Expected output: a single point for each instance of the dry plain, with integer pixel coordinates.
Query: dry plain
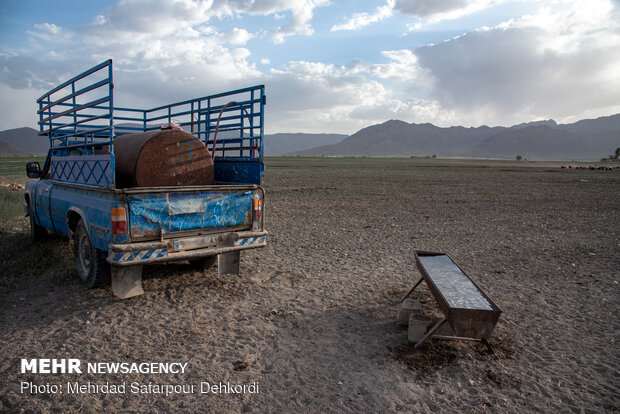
(312, 317)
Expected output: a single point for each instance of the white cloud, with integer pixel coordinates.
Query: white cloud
(432, 11)
(402, 74)
(403, 65)
(100, 20)
(301, 14)
(12, 110)
(49, 32)
(26, 73)
(573, 25)
(359, 20)
(164, 17)
(55, 55)
(49, 28)
(319, 97)
(559, 62)
(237, 37)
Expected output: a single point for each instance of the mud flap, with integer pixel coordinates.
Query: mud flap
(228, 263)
(127, 281)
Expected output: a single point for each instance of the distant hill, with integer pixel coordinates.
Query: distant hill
(26, 140)
(280, 144)
(547, 122)
(394, 138)
(540, 141)
(604, 131)
(585, 140)
(9, 150)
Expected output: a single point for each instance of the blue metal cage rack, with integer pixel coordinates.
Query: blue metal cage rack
(81, 121)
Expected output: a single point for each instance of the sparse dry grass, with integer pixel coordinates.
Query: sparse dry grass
(14, 168)
(11, 210)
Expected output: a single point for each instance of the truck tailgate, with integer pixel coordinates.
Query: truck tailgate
(154, 215)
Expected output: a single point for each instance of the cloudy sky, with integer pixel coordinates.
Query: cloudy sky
(328, 65)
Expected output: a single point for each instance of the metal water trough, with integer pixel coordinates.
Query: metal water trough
(469, 311)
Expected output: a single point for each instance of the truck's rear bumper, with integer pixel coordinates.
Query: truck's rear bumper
(184, 248)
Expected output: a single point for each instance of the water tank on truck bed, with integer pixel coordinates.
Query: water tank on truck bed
(168, 157)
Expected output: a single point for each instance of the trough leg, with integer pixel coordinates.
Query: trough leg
(411, 291)
(126, 281)
(228, 263)
(430, 332)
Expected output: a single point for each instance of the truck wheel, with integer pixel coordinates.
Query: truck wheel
(37, 232)
(203, 263)
(91, 263)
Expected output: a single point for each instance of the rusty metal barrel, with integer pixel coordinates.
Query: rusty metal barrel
(161, 158)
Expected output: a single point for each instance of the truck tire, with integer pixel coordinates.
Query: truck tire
(203, 263)
(92, 267)
(37, 232)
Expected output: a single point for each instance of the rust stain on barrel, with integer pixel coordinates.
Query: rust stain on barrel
(169, 157)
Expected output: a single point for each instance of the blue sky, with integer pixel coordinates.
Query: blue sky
(328, 65)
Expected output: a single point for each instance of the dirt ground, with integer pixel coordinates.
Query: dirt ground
(312, 317)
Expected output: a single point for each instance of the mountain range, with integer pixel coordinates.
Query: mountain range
(589, 139)
(281, 144)
(26, 141)
(10, 150)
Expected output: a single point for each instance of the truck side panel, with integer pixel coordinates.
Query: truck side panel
(93, 207)
(40, 199)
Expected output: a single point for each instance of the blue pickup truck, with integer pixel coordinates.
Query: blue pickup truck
(116, 226)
